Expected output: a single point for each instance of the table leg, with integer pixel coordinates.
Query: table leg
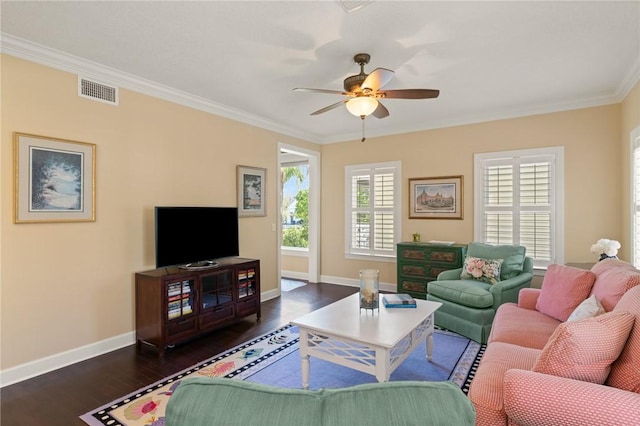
(383, 365)
(304, 358)
(305, 371)
(429, 346)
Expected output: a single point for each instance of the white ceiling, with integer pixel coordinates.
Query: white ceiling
(240, 59)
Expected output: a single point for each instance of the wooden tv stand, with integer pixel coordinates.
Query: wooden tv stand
(175, 304)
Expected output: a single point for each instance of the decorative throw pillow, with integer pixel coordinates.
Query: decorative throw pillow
(513, 257)
(487, 270)
(585, 349)
(613, 279)
(588, 309)
(563, 289)
(625, 372)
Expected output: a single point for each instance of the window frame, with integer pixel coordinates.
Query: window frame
(372, 253)
(557, 189)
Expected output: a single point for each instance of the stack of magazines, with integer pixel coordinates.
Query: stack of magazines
(398, 301)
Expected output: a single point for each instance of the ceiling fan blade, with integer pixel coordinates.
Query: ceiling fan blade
(330, 107)
(331, 92)
(381, 111)
(378, 78)
(410, 94)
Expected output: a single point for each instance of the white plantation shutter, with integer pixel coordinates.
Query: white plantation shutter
(519, 197)
(537, 208)
(498, 203)
(372, 225)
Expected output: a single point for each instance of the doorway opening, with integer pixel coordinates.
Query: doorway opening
(298, 213)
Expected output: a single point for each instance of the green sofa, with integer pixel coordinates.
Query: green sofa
(207, 401)
(469, 305)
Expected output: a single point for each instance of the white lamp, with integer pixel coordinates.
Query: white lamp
(362, 106)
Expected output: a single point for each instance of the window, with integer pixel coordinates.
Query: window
(372, 223)
(519, 200)
(635, 197)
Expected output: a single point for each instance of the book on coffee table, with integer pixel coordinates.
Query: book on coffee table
(398, 301)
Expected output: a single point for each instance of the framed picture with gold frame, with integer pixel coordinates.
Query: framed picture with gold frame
(55, 179)
(436, 197)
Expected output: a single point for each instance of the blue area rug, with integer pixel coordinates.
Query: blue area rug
(450, 351)
(274, 359)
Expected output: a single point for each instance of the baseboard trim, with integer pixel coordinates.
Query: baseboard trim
(45, 365)
(350, 282)
(269, 294)
(304, 276)
(41, 366)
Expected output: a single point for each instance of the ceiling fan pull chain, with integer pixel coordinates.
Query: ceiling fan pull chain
(363, 138)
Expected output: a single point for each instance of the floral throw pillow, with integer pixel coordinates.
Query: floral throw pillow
(476, 268)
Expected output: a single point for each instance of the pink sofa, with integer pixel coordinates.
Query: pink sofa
(511, 387)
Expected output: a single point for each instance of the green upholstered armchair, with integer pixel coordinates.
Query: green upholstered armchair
(469, 305)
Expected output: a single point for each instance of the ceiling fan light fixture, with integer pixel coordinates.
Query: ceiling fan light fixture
(362, 106)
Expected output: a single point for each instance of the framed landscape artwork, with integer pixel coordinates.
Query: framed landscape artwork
(436, 197)
(251, 191)
(54, 179)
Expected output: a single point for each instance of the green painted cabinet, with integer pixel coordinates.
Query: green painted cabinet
(419, 263)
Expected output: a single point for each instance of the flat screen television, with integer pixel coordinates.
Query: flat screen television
(195, 236)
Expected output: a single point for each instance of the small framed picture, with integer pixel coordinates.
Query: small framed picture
(436, 197)
(55, 179)
(251, 191)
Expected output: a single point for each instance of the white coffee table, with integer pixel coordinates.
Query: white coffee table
(372, 342)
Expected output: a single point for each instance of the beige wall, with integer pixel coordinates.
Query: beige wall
(64, 286)
(298, 264)
(592, 157)
(69, 285)
(630, 122)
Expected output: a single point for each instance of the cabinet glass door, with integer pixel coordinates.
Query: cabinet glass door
(180, 298)
(216, 289)
(246, 282)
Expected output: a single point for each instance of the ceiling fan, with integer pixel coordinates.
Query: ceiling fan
(363, 92)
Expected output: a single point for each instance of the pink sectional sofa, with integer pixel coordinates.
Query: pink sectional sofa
(542, 366)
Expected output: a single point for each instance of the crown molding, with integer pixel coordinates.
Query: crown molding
(488, 116)
(25, 49)
(629, 81)
(21, 48)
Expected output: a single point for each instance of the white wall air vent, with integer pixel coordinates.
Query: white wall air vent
(100, 92)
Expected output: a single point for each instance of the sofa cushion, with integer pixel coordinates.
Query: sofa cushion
(613, 278)
(589, 308)
(397, 403)
(563, 289)
(522, 327)
(486, 388)
(585, 349)
(625, 372)
(206, 401)
(476, 268)
(513, 256)
(472, 293)
(535, 399)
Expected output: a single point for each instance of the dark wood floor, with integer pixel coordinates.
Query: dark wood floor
(59, 397)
